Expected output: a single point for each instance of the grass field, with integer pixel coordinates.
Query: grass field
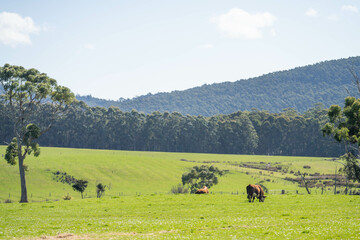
(131, 173)
(185, 216)
(138, 204)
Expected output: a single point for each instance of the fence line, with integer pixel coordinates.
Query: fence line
(314, 191)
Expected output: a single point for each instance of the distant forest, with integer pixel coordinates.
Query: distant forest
(242, 132)
(300, 88)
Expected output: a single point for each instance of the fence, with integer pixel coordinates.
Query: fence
(53, 197)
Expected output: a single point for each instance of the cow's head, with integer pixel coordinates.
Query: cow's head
(262, 198)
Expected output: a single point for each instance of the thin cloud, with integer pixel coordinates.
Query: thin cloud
(208, 45)
(238, 23)
(15, 29)
(311, 12)
(89, 46)
(273, 32)
(333, 17)
(350, 8)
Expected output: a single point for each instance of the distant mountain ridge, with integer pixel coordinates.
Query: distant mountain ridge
(300, 88)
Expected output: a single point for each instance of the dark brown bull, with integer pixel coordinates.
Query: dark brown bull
(202, 190)
(255, 191)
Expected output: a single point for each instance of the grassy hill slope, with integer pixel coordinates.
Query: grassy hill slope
(130, 173)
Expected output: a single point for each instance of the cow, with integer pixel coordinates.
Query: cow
(255, 191)
(203, 190)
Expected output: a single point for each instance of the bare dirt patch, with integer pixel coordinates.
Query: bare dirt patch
(113, 235)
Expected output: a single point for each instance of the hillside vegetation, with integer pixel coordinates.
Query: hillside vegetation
(300, 88)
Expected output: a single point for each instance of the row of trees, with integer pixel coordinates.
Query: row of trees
(254, 132)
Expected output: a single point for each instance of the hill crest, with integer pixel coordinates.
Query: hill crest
(299, 88)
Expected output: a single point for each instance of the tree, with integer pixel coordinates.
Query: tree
(305, 182)
(200, 176)
(100, 189)
(237, 135)
(344, 125)
(351, 167)
(80, 186)
(26, 92)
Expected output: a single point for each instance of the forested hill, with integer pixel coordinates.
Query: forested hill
(301, 88)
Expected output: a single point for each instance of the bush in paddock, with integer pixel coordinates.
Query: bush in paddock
(80, 186)
(100, 190)
(67, 197)
(201, 176)
(179, 189)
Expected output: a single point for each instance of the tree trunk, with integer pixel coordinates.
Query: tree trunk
(347, 185)
(305, 183)
(22, 180)
(335, 181)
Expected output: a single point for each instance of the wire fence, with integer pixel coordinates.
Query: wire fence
(112, 194)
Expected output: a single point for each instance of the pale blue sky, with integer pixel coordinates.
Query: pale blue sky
(114, 49)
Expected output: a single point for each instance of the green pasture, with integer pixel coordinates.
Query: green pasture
(142, 173)
(138, 203)
(163, 216)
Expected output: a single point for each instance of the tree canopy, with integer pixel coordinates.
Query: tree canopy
(80, 186)
(344, 125)
(200, 176)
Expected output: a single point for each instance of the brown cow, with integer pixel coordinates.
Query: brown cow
(255, 191)
(202, 190)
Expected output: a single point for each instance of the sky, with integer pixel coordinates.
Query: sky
(123, 49)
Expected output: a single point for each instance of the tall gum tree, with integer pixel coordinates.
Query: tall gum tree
(25, 93)
(344, 125)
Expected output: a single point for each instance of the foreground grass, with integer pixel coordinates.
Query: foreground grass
(185, 216)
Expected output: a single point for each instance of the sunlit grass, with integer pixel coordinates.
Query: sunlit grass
(187, 216)
(138, 203)
(131, 173)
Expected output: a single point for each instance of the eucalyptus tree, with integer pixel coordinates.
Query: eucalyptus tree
(5, 124)
(26, 92)
(134, 122)
(171, 131)
(344, 125)
(186, 138)
(153, 131)
(237, 135)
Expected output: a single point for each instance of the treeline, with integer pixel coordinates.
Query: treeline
(249, 132)
(301, 88)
